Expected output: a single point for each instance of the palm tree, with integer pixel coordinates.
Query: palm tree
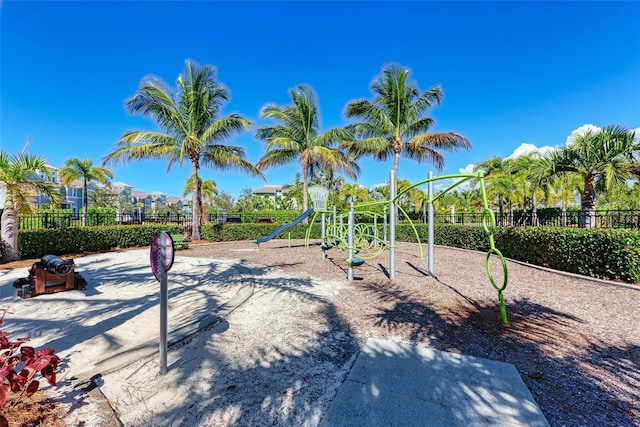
(395, 122)
(355, 190)
(499, 182)
(297, 137)
(83, 169)
(602, 157)
(420, 200)
(207, 190)
(20, 181)
(191, 127)
(528, 186)
(293, 192)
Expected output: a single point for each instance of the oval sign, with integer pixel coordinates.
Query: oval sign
(161, 249)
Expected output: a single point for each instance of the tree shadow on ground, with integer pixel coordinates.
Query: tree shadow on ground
(300, 370)
(535, 331)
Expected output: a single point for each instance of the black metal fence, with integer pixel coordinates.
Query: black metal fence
(602, 219)
(62, 219)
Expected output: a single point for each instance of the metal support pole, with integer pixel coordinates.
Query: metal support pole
(350, 241)
(384, 228)
(392, 225)
(431, 226)
(164, 300)
(324, 254)
(375, 231)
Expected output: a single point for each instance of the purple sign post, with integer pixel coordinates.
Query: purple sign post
(161, 257)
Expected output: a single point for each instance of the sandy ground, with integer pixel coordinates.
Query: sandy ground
(280, 357)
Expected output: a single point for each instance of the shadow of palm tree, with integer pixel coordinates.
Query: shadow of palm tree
(534, 331)
(293, 369)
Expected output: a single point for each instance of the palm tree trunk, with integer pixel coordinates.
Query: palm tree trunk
(85, 203)
(510, 215)
(10, 234)
(588, 203)
(305, 195)
(195, 215)
(534, 210)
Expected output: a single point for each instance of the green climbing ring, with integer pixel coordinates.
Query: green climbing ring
(504, 269)
(489, 229)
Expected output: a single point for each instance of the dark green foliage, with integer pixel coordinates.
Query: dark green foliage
(231, 232)
(75, 240)
(101, 216)
(607, 254)
(278, 217)
(603, 253)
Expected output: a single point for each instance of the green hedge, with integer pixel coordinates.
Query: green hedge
(72, 240)
(612, 254)
(606, 254)
(232, 232)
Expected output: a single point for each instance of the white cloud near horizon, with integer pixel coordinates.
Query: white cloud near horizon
(522, 150)
(581, 131)
(526, 148)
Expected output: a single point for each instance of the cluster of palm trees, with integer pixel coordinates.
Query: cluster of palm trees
(596, 162)
(393, 124)
(17, 177)
(192, 129)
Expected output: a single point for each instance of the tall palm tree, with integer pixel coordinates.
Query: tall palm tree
(499, 180)
(297, 137)
(191, 125)
(528, 186)
(83, 169)
(208, 190)
(395, 122)
(601, 157)
(20, 181)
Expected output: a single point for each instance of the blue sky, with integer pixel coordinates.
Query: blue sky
(512, 72)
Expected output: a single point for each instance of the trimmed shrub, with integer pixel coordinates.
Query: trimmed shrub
(73, 240)
(603, 253)
(612, 254)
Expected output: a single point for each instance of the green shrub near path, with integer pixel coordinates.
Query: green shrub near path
(612, 254)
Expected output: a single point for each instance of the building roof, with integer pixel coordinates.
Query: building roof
(270, 189)
(118, 184)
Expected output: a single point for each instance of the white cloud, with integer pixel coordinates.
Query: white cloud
(468, 168)
(581, 131)
(462, 187)
(526, 148)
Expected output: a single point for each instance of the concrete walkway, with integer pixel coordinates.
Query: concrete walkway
(393, 384)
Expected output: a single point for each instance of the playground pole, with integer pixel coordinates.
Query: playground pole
(324, 254)
(384, 228)
(375, 231)
(392, 225)
(350, 241)
(431, 226)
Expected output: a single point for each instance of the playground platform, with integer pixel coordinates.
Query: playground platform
(395, 384)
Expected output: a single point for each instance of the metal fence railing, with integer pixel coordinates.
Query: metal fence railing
(46, 220)
(602, 219)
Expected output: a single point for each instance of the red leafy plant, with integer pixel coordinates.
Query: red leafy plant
(14, 356)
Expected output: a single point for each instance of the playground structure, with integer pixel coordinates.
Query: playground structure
(362, 241)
